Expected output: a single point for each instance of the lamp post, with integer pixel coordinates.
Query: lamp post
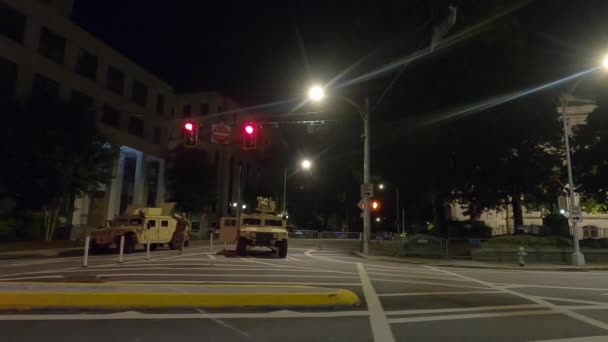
(305, 164)
(317, 94)
(578, 259)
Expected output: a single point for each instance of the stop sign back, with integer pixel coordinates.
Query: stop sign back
(220, 134)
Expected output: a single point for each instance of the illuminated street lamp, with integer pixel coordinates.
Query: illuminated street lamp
(381, 186)
(578, 259)
(306, 164)
(316, 94)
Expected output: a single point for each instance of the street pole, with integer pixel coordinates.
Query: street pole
(397, 213)
(238, 194)
(578, 259)
(366, 179)
(284, 190)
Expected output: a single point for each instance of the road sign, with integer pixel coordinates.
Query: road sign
(220, 134)
(367, 189)
(576, 214)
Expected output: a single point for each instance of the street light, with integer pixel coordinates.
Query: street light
(381, 186)
(305, 164)
(316, 94)
(578, 259)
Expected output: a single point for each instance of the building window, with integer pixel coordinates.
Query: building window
(116, 80)
(156, 136)
(110, 116)
(12, 23)
(139, 94)
(52, 45)
(86, 64)
(160, 104)
(204, 108)
(81, 100)
(44, 87)
(136, 126)
(8, 81)
(187, 111)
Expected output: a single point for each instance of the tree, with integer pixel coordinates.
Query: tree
(191, 179)
(55, 151)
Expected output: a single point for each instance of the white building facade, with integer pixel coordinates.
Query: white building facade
(42, 50)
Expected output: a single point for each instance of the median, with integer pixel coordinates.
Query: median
(28, 296)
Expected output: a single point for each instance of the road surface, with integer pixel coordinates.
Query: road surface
(402, 302)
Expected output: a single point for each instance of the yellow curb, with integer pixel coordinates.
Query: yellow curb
(113, 300)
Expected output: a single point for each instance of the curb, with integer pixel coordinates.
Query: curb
(489, 267)
(247, 296)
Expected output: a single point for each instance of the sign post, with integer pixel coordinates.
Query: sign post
(576, 214)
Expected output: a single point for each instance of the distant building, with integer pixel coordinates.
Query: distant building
(43, 51)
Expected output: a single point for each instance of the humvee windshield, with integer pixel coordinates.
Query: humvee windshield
(273, 223)
(127, 222)
(252, 222)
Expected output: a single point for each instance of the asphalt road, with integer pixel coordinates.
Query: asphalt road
(403, 302)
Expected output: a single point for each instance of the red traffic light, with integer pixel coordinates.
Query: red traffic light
(189, 126)
(249, 129)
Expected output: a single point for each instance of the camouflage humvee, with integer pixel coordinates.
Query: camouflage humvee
(262, 229)
(138, 225)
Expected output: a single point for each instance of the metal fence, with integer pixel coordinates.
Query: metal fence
(304, 234)
(340, 235)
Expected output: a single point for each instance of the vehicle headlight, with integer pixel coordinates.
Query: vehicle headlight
(252, 234)
(275, 236)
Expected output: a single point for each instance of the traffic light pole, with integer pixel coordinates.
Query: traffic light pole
(366, 179)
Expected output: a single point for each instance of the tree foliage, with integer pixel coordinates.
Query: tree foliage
(53, 151)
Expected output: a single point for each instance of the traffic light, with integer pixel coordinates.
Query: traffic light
(374, 205)
(190, 134)
(249, 136)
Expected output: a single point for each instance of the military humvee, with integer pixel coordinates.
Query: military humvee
(138, 225)
(264, 229)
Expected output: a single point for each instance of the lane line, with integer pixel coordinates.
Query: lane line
(428, 283)
(29, 278)
(515, 286)
(475, 308)
(434, 293)
(219, 275)
(424, 277)
(571, 314)
(232, 282)
(134, 315)
(572, 300)
(211, 256)
(469, 316)
(380, 326)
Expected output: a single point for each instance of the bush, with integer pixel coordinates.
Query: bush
(594, 243)
(556, 224)
(529, 240)
(476, 229)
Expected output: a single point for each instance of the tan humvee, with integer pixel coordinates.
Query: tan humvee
(262, 229)
(138, 225)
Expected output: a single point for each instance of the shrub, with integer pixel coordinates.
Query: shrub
(529, 240)
(469, 229)
(556, 224)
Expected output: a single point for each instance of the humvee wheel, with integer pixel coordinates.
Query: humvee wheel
(241, 247)
(129, 244)
(283, 249)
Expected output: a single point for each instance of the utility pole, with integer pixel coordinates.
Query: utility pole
(366, 178)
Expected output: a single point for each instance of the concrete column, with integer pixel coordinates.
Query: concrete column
(115, 188)
(140, 179)
(160, 192)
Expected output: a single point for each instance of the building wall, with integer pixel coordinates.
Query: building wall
(160, 111)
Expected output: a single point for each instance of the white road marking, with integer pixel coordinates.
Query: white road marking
(428, 283)
(515, 286)
(29, 278)
(470, 316)
(133, 315)
(219, 275)
(380, 328)
(580, 339)
(572, 300)
(434, 293)
(211, 256)
(427, 277)
(233, 282)
(476, 308)
(561, 310)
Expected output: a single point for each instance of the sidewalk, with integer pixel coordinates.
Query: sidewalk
(486, 264)
(24, 296)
